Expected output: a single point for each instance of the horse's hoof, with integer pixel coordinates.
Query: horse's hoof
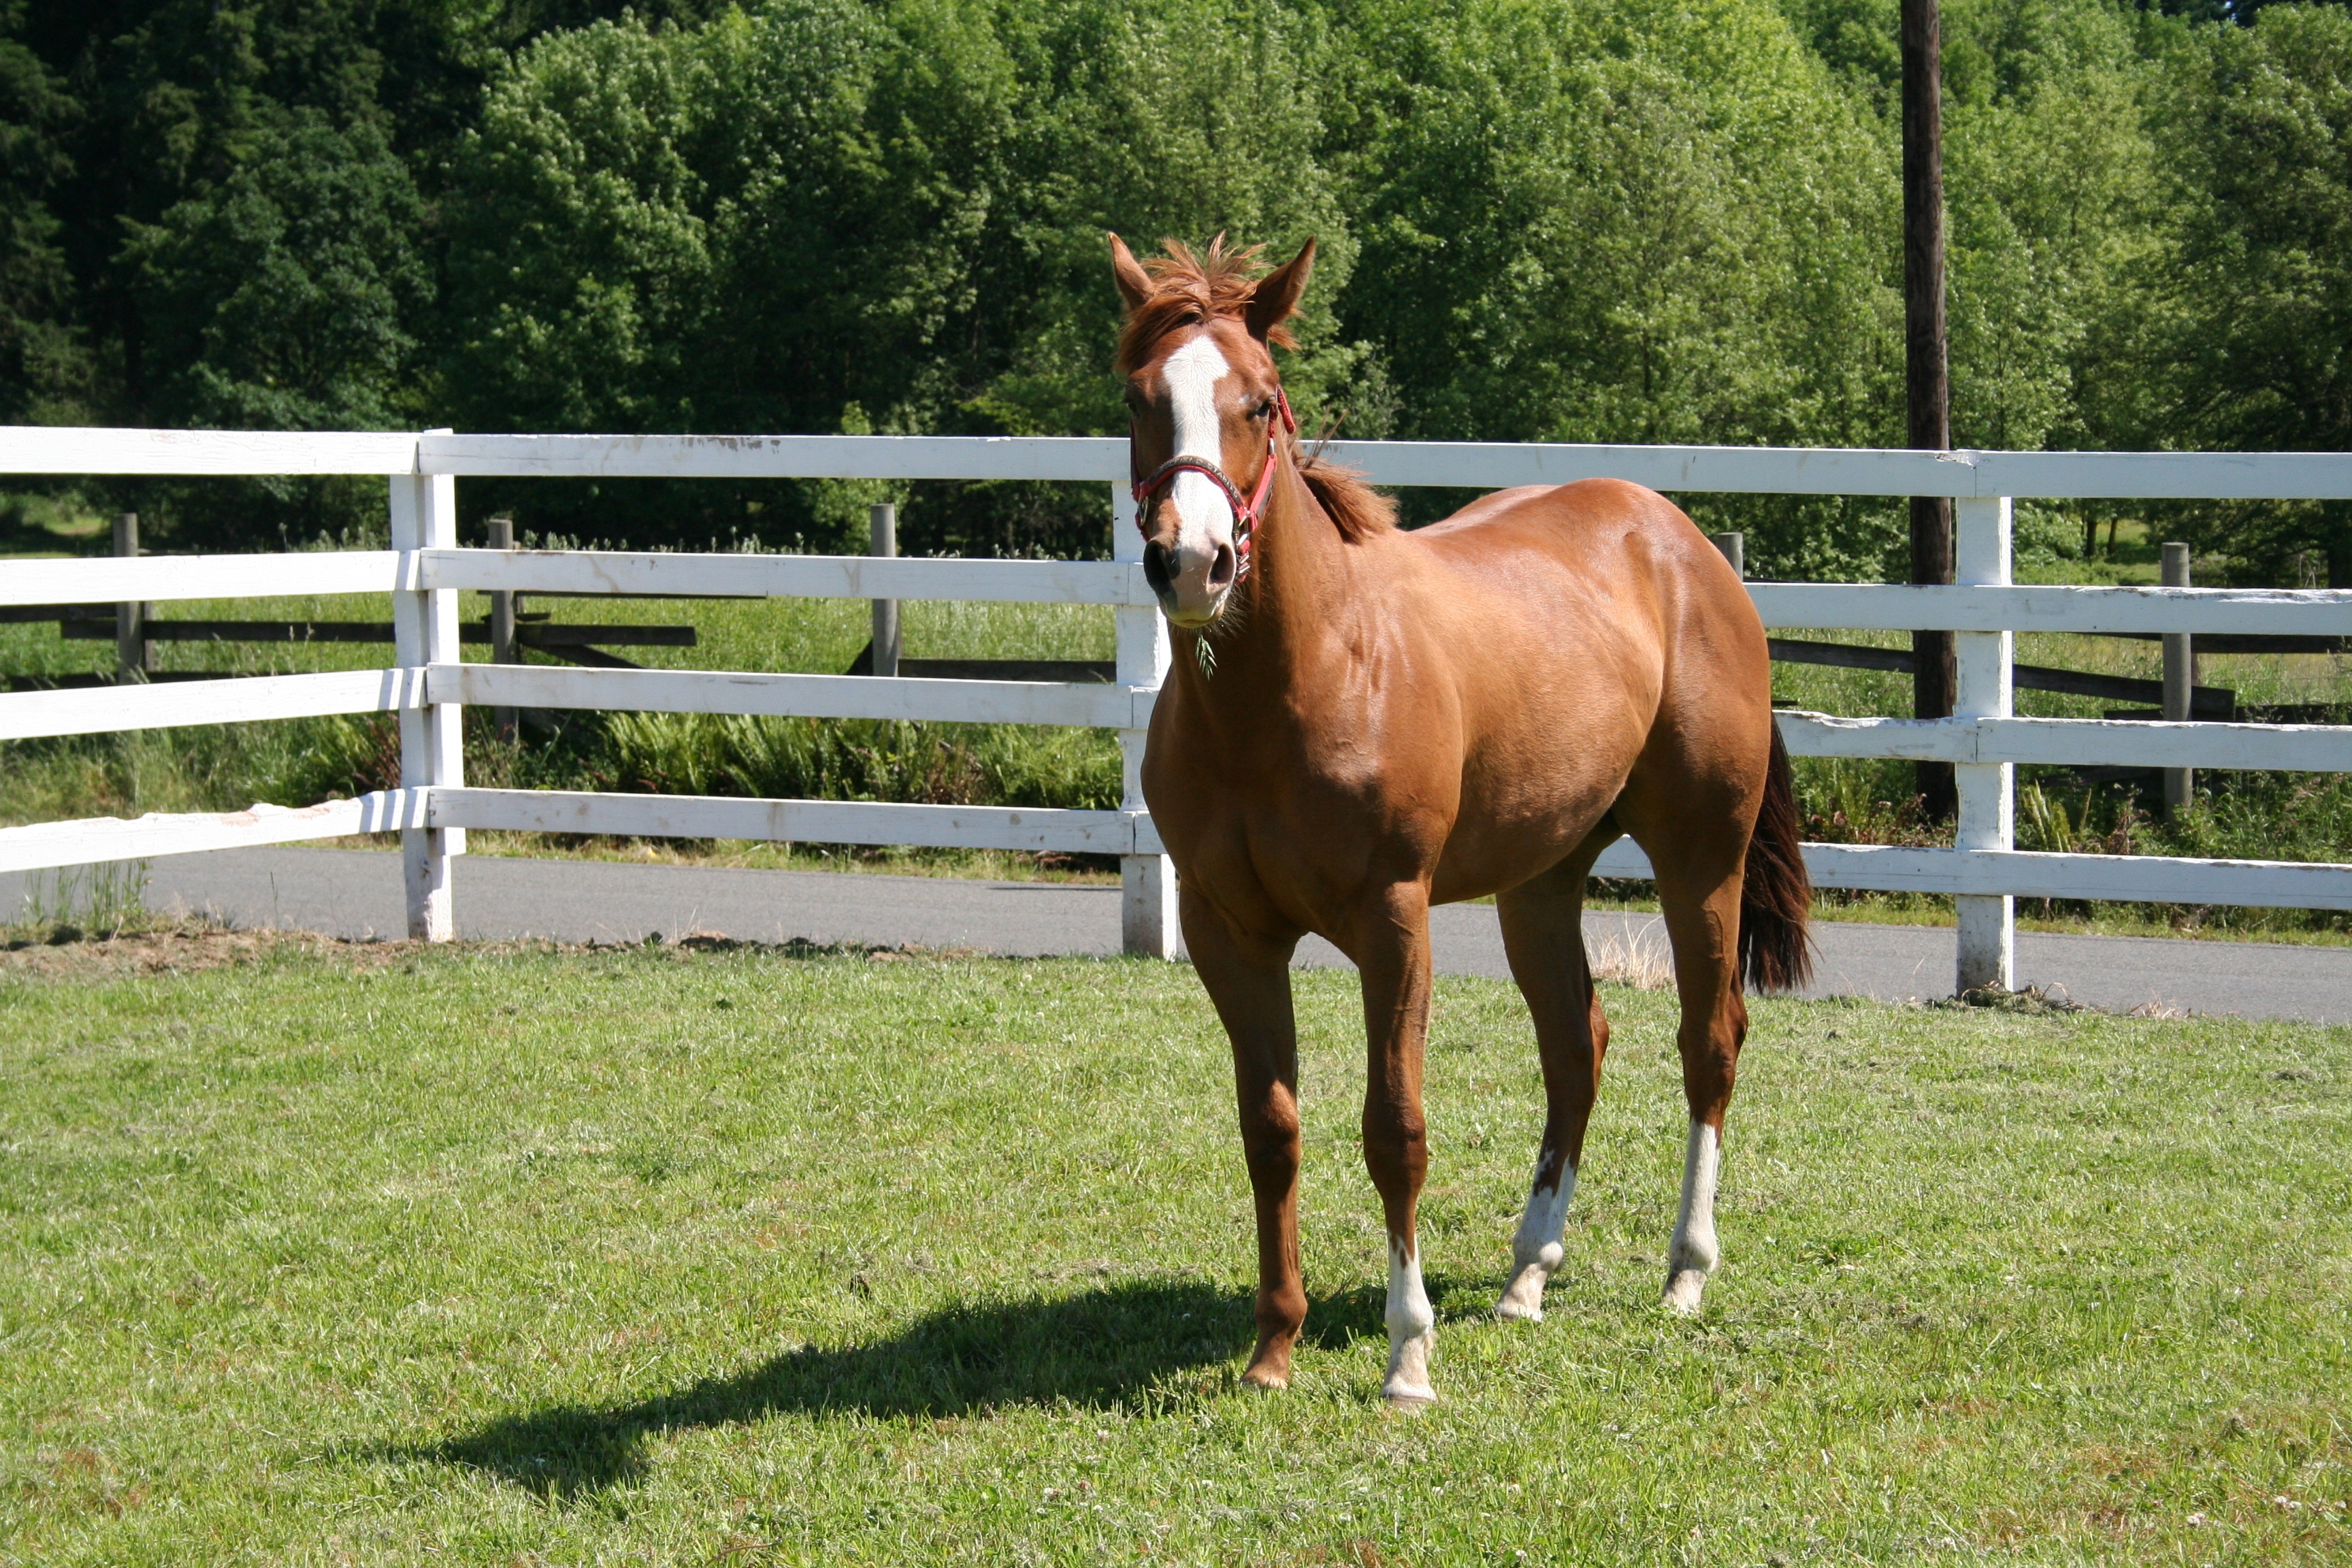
(1522, 1300)
(1684, 1289)
(1266, 1381)
(1406, 1387)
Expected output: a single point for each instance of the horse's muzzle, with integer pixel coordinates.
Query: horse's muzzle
(1193, 585)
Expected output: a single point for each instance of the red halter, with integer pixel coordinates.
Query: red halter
(1247, 511)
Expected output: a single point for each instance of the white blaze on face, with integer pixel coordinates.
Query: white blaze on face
(1695, 1253)
(1205, 518)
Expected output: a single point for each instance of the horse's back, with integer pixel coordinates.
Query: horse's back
(1596, 633)
(1610, 525)
(1599, 576)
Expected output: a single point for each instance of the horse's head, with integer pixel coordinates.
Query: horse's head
(1208, 412)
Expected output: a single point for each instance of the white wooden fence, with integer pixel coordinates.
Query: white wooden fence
(429, 687)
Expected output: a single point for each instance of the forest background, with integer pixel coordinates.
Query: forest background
(1651, 220)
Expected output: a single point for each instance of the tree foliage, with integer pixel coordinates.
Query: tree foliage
(41, 363)
(1540, 219)
(831, 216)
(2252, 292)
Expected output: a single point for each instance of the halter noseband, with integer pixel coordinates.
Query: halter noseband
(1247, 511)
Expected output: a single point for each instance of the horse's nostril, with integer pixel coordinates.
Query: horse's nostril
(1156, 566)
(1220, 568)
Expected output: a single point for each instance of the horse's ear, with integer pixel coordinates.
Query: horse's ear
(1134, 283)
(1278, 292)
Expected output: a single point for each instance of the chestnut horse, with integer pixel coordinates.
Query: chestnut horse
(1364, 721)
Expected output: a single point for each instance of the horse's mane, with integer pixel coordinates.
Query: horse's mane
(1188, 290)
(1354, 507)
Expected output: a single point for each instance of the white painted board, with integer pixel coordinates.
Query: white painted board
(1481, 464)
(2137, 879)
(97, 711)
(104, 579)
(1084, 704)
(1502, 465)
(68, 450)
(1866, 471)
(2130, 878)
(788, 821)
(102, 838)
(799, 577)
(778, 456)
(45, 449)
(1890, 606)
(2118, 743)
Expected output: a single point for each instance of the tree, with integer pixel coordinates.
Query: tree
(283, 298)
(2254, 324)
(220, 213)
(830, 216)
(43, 368)
(1651, 223)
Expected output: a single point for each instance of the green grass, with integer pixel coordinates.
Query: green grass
(506, 1256)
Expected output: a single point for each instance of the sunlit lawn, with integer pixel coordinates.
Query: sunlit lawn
(370, 1255)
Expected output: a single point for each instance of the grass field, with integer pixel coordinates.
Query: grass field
(321, 1255)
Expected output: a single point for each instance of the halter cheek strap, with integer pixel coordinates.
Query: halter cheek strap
(1246, 511)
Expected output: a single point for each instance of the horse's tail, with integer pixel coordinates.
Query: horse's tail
(1774, 952)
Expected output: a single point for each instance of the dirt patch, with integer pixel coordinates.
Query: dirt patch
(183, 950)
(189, 948)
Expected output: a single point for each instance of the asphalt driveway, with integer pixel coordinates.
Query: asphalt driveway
(357, 893)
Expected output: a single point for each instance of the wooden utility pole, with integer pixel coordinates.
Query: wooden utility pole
(1927, 376)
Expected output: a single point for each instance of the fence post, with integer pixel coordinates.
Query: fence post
(502, 626)
(1735, 550)
(1146, 882)
(134, 656)
(424, 632)
(882, 527)
(2179, 676)
(1987, 790)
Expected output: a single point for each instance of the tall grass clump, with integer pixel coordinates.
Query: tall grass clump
(302, 761)
(217, 767)
(864, 760)
(72, 902)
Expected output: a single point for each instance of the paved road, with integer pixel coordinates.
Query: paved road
(356, 893)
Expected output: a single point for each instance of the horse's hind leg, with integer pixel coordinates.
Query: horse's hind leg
(1543, 934)
(1698, 876)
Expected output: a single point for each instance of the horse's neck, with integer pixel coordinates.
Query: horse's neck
(1300, 599)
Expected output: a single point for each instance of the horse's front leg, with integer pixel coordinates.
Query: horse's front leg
(1248, 979)
(1391, 949)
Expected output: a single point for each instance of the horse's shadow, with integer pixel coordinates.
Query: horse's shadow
(1117, 1347)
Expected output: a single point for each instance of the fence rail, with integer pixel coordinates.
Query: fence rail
(1477, 465)
(428, 687)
